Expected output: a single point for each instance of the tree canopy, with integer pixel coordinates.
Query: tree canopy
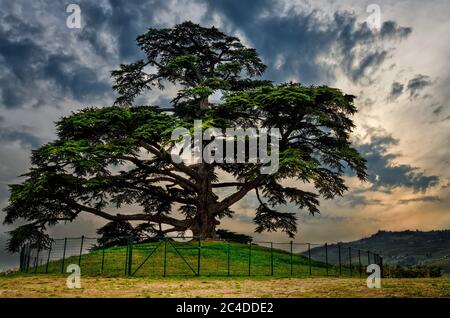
(115, 163)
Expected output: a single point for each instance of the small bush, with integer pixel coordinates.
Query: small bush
(419, 271)
(233, 237)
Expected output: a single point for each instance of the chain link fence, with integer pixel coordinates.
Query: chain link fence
(174, 256)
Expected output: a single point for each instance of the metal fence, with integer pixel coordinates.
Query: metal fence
(173, 256)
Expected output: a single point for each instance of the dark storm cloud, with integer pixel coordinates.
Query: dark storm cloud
(446, 185)
(355, 200)
(19, 58)
(26, 139)
(110, 28)
(383, 173)
(72, 78)
(438, 110)
(390, 28)
(428, 198)
(241, 13)
(122, 21)
(371, 60)
(30, 65)
(302, 37)
(418, 83)
(396, 90)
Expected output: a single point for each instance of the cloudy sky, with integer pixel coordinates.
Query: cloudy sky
(399, 69)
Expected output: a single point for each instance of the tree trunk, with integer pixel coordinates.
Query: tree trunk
(204, 103)
(204, 225)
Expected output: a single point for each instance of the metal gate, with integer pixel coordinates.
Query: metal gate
(165, 257)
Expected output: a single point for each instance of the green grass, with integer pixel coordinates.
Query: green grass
(217, 258)
(444, 264)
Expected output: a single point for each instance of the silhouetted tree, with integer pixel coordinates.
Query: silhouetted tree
(233, 236)
(120, 155)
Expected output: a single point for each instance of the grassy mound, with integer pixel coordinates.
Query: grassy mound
(213, 258)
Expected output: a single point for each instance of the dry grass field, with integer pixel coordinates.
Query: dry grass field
(55, 286)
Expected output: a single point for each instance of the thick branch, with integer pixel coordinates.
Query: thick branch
(166, 157)
(227, 184)
(130, 217)
(182, 182)
(233, 198)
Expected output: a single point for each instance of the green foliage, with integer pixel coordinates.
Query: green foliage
(118, 233)
(187, 54)
(30, 234)
(421, 271)
(233, 237)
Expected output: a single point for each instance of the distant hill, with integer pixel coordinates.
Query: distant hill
(406, 248)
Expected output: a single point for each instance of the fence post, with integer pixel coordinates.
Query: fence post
(130, 255)
(249, 258)
(309, 259)
(350, 260)
(103, 259)
(81, 250)
(165, 256)
(381, 266)
(48, 256)
(359, 262)
(24, 258)
(339, 260)
(126, 258)
(271, 258)
(326, 257)
(228, 258)
(199, 256)
(64, 255)
(291, 257)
